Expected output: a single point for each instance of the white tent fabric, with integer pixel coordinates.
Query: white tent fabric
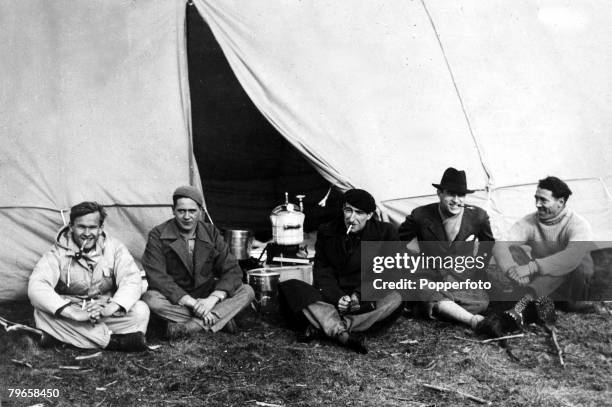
(94, 106)
(386, 95)
(382, 95)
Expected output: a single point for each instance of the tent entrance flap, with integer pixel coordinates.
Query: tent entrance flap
(245, 164)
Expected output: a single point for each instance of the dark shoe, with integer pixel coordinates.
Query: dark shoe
(491, 327)
(231, 327)
(49, 341)
(309, 334)
(515, 320)
(176, 330)
(542, 311)
(132, 342)
(515, 315)
(353, 341)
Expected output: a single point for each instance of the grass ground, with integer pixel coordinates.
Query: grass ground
(264, 364)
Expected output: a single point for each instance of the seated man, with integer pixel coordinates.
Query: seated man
(452, 228)
(333, 305)
(195, 282)
(546, 253)
(86, 289)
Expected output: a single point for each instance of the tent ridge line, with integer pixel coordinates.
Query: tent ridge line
(183, 72)
(605, 187)
(463, 109)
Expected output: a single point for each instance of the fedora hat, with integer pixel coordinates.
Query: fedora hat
(454, 180)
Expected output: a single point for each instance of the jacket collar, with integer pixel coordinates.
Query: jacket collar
(433, 220)
(171, 231)
(64, 242)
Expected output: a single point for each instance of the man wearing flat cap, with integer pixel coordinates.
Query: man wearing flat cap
(195, 282)
(332, 307)
(450, 228)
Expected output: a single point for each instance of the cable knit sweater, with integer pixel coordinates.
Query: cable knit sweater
(558, 245)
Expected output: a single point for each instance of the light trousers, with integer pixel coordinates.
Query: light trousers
(87, 336)
(224, 310)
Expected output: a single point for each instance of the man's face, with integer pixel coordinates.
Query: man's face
(86, 230)
(451, 203)
(354, 217)
(186, 213)
(547, 205)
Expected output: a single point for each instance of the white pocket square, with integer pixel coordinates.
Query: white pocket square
(470, 238)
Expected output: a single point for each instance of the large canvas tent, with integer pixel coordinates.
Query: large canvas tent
(381, 95)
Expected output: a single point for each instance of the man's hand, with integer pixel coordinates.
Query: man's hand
(202, 308)
(355, 306)
(343, 303)
(76, 314)
(520, 274)
(98, 311)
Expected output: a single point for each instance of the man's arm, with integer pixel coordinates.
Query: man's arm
(517, 235)
(154, 263)
(566, 260)
(325, 276)
(225, 267)
(408, 229)
(390, 233)
(486, 240)
(127, 279)
(41, 287)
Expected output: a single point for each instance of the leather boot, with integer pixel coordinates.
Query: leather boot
(132, 342)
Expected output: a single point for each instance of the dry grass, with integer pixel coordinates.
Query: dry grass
(263, 363)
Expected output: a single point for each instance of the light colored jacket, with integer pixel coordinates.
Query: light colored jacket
(62, 277)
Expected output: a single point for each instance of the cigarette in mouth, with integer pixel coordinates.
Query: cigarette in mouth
(83, 245)
(349, 229)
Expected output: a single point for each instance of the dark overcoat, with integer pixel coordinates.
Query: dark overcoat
(337, 264)
(170, 271)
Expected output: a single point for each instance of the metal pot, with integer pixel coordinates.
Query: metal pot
(239, 242)
(265, 285)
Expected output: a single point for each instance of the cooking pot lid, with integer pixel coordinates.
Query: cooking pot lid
(263, 273)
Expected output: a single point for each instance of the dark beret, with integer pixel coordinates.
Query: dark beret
(360, 199)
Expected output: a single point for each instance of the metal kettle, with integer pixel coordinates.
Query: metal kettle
(288, 222)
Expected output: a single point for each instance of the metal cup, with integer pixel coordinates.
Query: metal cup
(239, 242)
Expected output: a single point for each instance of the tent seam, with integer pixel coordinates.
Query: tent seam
(463, 109)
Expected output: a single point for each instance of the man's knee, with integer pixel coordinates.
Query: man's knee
(140, 311)
(395, 299)
(245, 293)
(391, 300)
(585, 269)
(154, 300)
(250, 292)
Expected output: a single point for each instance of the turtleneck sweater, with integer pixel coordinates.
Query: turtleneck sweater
(558, 244)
